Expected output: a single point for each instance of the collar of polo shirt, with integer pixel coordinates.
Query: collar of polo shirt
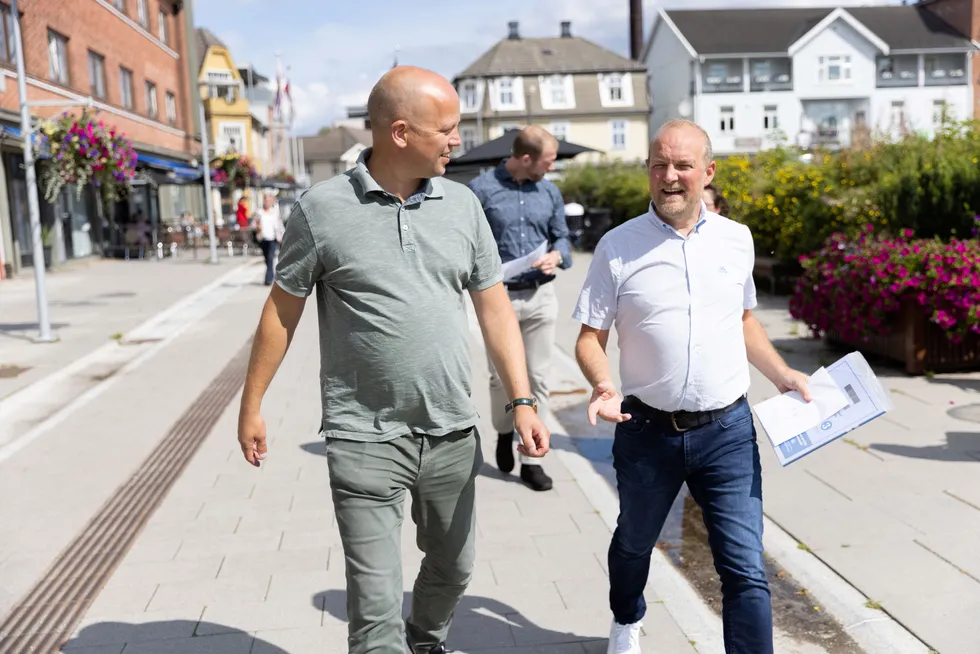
(430, 188)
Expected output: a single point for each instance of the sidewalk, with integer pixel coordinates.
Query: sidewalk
(243, 560)
(893, 508)
(89, 302)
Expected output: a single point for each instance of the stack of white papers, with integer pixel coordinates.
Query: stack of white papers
(845, 396)
(521, 265)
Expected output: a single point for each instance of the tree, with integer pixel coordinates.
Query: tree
(324, 130)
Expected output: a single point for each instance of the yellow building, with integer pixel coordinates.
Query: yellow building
(231, 123)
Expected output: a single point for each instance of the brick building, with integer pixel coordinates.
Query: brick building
(134, 58)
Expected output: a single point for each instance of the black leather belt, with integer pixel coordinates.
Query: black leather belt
(679, 421)
(526, 286)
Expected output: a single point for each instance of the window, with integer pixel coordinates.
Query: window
(171, 108)
(126, 87)
(559, 131)
(940, 113)
(162, 26)
(151, 100)
(897, 70)
(6, 35)
(467, 135)
(58, 57)
(723, 76)
(897, 116)
(556, 87)
(618, 128)
(615, 88)
(945, 69)
(834, 68)
(728, 119)
(468, 96)
(142, 14)
(506, 88)
(231, 137)
(770, 118)
(96, 74)
(120, 5)
(770, 74)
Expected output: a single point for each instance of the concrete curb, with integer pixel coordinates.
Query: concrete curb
(874, 630)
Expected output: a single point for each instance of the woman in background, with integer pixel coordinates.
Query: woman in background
(715, 201)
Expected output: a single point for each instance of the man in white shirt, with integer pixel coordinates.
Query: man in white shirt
(677, 284)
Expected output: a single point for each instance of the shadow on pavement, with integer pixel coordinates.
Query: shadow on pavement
(10, 329)
(316, 447)
(960, 446)
(170, 637)
(479, 623)
(964, 383)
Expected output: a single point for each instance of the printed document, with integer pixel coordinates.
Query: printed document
(787, 415)
(518, 267)
(866, 399)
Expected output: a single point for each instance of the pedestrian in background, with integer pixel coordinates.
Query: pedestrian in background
(524, 210)
(390, 248)
(715, 202)
(269, 229)
(677, 284)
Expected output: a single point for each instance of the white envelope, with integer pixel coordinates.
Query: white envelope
(788, 415)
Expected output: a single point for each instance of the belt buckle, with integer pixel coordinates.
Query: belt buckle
(673, 423)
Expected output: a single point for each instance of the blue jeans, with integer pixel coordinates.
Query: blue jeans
(269, 248)
(720, 463)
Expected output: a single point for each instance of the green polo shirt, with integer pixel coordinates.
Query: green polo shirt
(389, 278)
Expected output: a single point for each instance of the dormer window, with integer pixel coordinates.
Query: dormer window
(468, 96)
(616, 89)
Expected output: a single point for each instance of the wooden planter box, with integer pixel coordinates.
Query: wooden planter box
(919, 344)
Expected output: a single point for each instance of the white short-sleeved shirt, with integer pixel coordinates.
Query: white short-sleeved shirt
(677, 304)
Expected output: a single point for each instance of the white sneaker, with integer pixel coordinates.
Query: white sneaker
(624, 638)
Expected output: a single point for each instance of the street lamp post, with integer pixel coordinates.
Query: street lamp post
(206, 158)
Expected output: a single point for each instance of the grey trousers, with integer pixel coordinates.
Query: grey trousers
(537, 313)
(368, 482)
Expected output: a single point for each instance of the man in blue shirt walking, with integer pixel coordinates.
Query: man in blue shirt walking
(524, 210)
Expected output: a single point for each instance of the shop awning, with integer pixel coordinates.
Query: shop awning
(179, 169)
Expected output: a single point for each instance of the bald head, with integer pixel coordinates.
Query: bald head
(533, 140)
(681, 124)
(405, 93)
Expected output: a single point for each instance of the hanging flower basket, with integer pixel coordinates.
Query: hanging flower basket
(81, 151)
(283, 176)
(233, 169)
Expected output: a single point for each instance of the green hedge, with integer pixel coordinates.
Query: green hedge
(793, 206)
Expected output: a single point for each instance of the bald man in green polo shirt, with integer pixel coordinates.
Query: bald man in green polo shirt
(390, 248)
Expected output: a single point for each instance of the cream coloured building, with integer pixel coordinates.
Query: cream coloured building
(579, 91)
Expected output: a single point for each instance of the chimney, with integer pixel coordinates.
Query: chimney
(512, 32)
(566, 29)
(636, 29)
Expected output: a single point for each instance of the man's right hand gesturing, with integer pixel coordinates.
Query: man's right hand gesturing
(607, 404)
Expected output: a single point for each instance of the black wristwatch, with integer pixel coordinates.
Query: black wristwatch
(522, 401)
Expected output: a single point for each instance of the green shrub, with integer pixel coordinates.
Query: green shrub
(792, 206)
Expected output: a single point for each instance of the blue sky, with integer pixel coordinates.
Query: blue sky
(337, 49)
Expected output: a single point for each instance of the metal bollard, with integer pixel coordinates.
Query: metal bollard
(244, 249)
(173, 250)
(159, 250)
(231, 249)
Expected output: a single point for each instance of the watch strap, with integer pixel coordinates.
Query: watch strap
(522, 401)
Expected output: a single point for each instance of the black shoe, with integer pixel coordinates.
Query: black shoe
(534, 476)
(438, 649)
(505, 452)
